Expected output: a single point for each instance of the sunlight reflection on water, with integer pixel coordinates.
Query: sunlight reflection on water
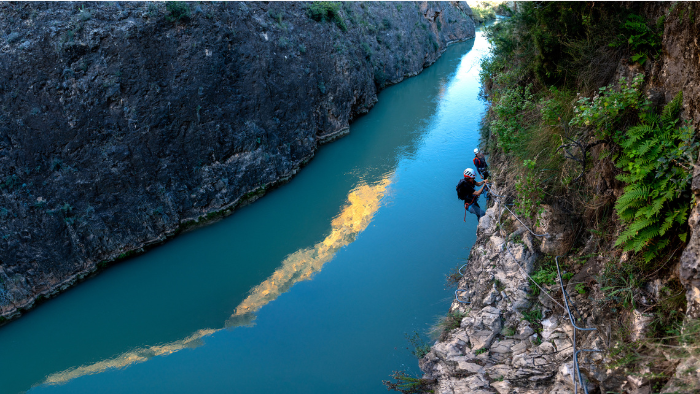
(362, 203)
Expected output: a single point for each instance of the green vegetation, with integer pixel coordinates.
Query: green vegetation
(657, 155)
(568, 132)
(448, 323)
(420, 348)
(278, 16)
(533, 316)
(322, 11)
(453, 277)
(10, 182)
(508, 332)
(177, 11)
(408, 384)
(367, 50)
(662, 353)
(530, 193)
(546, 273)
(483, 11)
(642, 41)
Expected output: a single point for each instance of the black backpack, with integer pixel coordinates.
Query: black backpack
(465, 190)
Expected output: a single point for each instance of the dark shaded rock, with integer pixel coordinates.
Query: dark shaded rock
(119, 127)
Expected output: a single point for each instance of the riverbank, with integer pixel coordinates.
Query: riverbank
(568, 133)
(128, 123)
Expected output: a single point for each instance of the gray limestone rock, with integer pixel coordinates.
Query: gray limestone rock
(558, 226)
(689, 270)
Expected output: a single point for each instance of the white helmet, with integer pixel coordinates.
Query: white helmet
(476, 150)
(469, 173)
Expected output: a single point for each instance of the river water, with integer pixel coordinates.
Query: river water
(311, 289)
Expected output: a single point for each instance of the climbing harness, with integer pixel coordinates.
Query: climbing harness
(466, 207)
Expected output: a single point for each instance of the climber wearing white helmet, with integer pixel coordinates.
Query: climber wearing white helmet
(470, 196)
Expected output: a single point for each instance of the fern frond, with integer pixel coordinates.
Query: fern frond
(644, 237)
(656, 205)
(644, 147)
(639, 131)
(633, 195)
(655, 249)
(624, 237)
(682, 215)
(627, 178)
(649, 118)
(642, 223)
(668, 222)
(628, 211)
(672, 109)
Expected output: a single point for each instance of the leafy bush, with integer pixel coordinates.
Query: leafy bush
(420, 348)
(642, 41)
(366, 50)
(322, 11)
(509, 109)
(408, 384)
(178, 10)
(483, 13)
(607, 107)
(379, 77)
(657, 156)
(448, 323)
(530, 191)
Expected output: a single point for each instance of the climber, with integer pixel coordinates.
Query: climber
(466, 193)
(481, 167)
(480, 164)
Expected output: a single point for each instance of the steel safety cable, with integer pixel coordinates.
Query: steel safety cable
(565, 295)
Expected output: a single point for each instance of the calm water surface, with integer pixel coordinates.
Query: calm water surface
(309, 290)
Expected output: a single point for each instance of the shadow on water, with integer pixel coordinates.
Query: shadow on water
(218, 277)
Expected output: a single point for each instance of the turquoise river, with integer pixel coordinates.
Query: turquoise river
(311, 289)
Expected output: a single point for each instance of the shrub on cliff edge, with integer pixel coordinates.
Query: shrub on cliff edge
(177, 10)
(322, 11)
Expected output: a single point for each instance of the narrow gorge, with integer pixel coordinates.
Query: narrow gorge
(124, 123)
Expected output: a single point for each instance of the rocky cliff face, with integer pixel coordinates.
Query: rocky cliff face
(515, 337)
(678, 70)
(123, 123)
(500, 347)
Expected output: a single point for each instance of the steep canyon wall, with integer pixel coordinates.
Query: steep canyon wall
(123, 123)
